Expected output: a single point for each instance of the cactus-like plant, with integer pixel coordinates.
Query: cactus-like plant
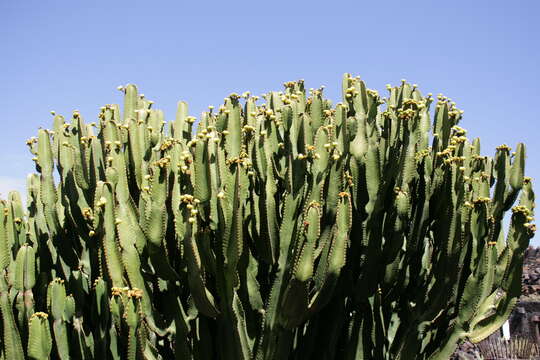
(292, 229)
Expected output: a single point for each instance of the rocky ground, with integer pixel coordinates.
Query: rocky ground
(531, 275)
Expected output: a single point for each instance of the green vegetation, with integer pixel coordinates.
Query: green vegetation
(287, 230)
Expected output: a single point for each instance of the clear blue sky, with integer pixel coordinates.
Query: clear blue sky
(63, 55)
